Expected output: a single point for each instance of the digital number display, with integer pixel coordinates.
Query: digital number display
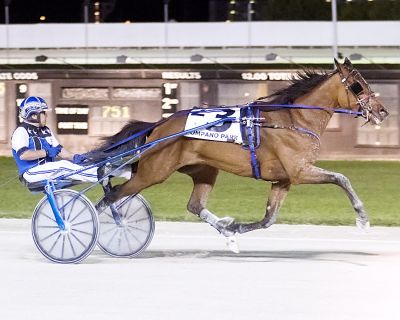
(169, 101)
(115, 112)
(72, 119)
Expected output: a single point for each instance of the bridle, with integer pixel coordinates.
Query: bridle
(357, 90)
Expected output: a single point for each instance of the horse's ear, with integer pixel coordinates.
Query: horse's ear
(337, 64)
(347, 63)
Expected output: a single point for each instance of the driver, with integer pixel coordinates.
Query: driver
(37, 152)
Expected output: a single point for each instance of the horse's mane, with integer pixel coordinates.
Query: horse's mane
(302, 83)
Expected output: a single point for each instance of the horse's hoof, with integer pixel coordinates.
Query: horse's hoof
(363, 224)
(232, 244)
(225, 222)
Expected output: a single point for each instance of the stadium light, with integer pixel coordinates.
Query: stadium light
(41, 58)
(199, 57)
(358, 56)
(121, 59)
(271, 56)
(196, 57)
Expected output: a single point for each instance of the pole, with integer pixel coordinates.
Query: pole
(249, 19)
(86, 21)
(7, 22)
(166, 19)
(334, 29)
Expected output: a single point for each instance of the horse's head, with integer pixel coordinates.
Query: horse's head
(357, 94)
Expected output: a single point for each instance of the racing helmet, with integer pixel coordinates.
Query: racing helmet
(32, 105)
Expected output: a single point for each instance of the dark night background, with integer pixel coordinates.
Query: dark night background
(29, 11)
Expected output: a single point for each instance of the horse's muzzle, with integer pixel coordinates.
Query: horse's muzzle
(378, 117)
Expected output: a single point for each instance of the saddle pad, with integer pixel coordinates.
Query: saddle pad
(226, 131)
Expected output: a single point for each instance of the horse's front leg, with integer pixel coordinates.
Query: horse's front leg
(315, 175)
(276, 197)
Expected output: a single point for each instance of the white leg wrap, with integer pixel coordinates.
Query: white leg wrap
(220, 225)
(209, 217)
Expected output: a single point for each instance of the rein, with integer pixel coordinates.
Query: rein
(145, 131)
(265, 106)
(255, 104)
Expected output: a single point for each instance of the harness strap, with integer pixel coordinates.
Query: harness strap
(292, 127)
(255, 165)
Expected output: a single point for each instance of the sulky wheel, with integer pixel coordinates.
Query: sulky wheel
(133, 234)
(78, 239)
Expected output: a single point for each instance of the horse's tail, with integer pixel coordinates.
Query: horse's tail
(112, 146)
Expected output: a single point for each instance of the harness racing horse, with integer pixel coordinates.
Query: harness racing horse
(289, 147)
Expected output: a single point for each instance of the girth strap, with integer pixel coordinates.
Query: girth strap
(249, 124)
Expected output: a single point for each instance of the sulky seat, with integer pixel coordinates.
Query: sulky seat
(38, 186)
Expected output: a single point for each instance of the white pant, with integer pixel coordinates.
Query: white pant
(51, 170)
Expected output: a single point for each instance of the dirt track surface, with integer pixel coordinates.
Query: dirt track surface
(286, 272)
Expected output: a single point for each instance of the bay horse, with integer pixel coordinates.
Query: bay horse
(286, 154)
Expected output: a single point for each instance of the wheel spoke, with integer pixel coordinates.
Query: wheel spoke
(62, 212)
(108, 215)
(83, 232)
(54, 244)
(121, 207)
(119, 240)
(72, 247)
(111, 223)
(48, 227)
(139, 220)
(83, 222)
(123, 202)
(63, 246)
(48, 217)
(134, 212)
(71, 210)
(136, 228)
(79, 213)
(49, 236)
(107, 231)
(112, 237)
(133, 235)
(77, 239)
(127, 241)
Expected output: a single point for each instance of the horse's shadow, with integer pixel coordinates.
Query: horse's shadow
(351, 257)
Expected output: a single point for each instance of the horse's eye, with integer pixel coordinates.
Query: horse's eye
(356, 88)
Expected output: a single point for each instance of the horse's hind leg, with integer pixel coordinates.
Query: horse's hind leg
(204, 177)
(276, 197)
